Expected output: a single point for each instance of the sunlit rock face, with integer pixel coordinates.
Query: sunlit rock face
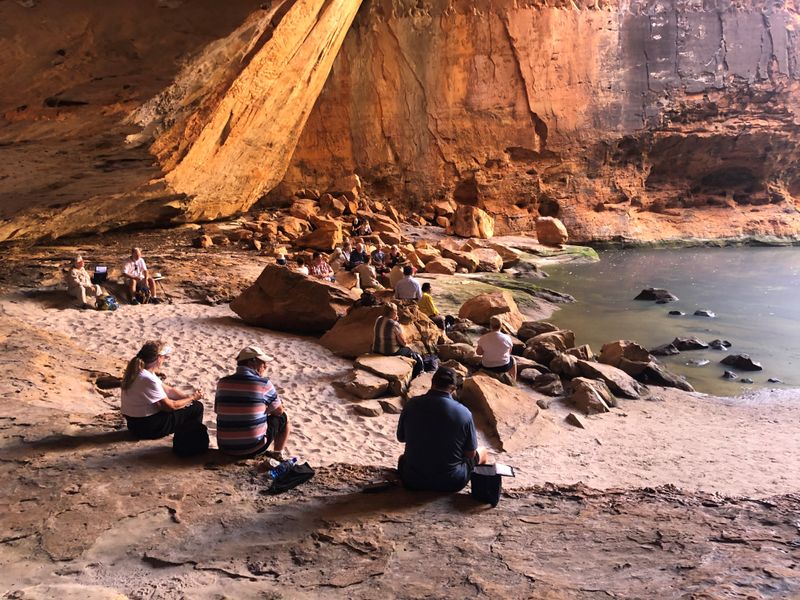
(643, 120)
(639, 120)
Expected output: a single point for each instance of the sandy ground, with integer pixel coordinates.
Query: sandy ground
(734, 446)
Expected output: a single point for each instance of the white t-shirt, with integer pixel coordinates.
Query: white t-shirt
(496, 349)
(134, 268)
(142, 398)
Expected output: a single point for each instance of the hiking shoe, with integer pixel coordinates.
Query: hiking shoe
(156, 301)
(281, 456)
(134, 302)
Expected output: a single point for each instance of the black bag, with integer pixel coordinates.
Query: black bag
(431, 362)
(292, 478)
(190, 441)
(486, 484)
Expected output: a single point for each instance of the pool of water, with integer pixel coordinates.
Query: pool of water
(754, 292)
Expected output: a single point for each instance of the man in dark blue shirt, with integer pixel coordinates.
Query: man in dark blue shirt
(439, 434)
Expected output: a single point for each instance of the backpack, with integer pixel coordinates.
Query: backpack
(431, 362)
(143, 295)
(107, 303)
(291, 479)
(486, 485)
(190, 441)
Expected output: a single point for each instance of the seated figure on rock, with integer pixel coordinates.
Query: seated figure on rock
(408, 288)
(368, 277)
(495, 348)
(152, 409)
(319, 268)
(138, 281)
(80, 286)
(427, 306)
(357, 256)
(250, 416)
(388, 339)
(441, 442)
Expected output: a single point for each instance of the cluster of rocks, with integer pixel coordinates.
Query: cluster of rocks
(317, 221)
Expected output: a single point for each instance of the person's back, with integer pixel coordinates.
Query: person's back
(384, 339)
(367, 276)
(438, 432)
(241, 407)
(407, 288)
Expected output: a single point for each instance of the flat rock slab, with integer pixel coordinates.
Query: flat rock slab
(392, 406)
(365, 385)
(369, 408)
(617, 380)
(510, 411)
(396, 369)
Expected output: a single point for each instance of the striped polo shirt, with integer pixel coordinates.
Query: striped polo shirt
(384, 340)
(242, 403)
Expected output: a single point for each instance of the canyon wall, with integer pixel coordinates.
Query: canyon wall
(646, 120)
(642, 120)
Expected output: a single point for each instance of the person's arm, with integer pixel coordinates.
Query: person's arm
(274, 404)
(175, 399)
(470, 440)
(417, 291)
(398, 335)
(479, 349)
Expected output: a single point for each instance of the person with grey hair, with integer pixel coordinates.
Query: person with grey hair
(441, 442)
(138, 279)
(495, 348)
(80, 286)
(388, 338)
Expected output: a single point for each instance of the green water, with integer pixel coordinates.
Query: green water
(755, 293)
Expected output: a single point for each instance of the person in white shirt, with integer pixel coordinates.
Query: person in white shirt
(151, 409)
(495, 350)
(137, 278)
(408, 288)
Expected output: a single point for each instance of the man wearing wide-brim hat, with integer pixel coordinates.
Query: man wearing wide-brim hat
(250, 416)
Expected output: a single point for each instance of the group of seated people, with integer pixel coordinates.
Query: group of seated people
(139, 285)
(439, 434)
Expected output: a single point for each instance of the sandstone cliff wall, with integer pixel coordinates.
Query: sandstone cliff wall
(625, 119)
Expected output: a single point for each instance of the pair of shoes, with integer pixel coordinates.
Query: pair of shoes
(134, 302)
(276, 455)
(156, 301)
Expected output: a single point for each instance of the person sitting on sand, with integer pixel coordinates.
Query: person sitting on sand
(250, 416)
(357, 257)
(441, 442)
(319, 268)
(80, 286)
(495, 350)
(388, 339)
(408, 288)
(427, 307)
(137, 278)
(151, 408)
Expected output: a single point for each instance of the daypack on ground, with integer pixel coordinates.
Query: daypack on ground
(190, 442)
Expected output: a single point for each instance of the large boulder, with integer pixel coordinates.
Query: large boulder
(441, 265)
(455, 251)
(327, 236)
(364, 385)
(741, 361)
(530, 329)
(482, 307)
(471, 221)
(418, 386)
(303, 209)
(462, 353)
(488, 260)
(637, 362)
(543, 348)
(293, 227)
(396, 369)
(383, 224)
(566, 365)
(283, 300)
(659, 295)
(618, 381)
(612, 353)
(508, 412)
(590, 396)
(551, 232)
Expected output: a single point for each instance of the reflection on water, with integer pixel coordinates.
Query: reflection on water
(753, 291)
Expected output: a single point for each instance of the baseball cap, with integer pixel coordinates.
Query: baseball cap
(165, 351)
(249, 352)
(445, 377)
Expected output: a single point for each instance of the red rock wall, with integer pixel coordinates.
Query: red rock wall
(627, 120)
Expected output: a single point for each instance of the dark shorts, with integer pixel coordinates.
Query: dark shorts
(501, 368)
(469, 462)
(276, 425)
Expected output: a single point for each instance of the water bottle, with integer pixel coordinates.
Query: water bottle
(282, 468)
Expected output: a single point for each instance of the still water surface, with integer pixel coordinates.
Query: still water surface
(755, 293)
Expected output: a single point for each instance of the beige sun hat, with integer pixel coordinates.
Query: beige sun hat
(249, 352)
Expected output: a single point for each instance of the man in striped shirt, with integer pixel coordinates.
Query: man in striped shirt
(250, 415)
(387, 338)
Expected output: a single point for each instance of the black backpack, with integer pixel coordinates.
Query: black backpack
(292, 478)
(190, 441)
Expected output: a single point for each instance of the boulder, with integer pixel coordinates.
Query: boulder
(364, 385)
(482, 307)
(584, 352)
(652, 373)
(704, 312)
(327, 236)
(294, 227)
(656, 294)
(551, 231)
(443, 222)
(590, 396)
(331, 206)
(616, 379)
(456, 366)
(396, 369)
(741, 361)
(612, 353)
(444, 266)
(566, 365)
(527, 363)
(444, 208)
(426, 252)
(530, 329)
(464, 259)
(665, 350)
(303, 209)
(488, 260)
(347, 279)
(471, 221)
(272, 302)
(528, 374)
(719, 344)
(462, 353)
(691, 343)
(348, 184)
(418, 386)
(509, 256)
(370, 408)
(382, 224)
(575, 421)
(203, 241)
(543, 348)
(548, 384)
(507, 411)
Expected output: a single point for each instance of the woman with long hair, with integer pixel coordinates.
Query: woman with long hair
(154, 410)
